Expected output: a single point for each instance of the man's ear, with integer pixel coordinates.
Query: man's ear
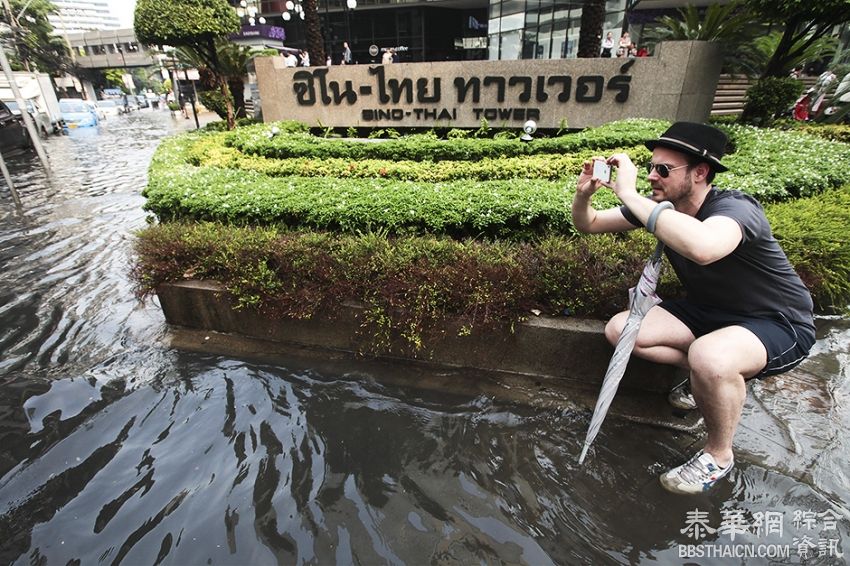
(701, 171)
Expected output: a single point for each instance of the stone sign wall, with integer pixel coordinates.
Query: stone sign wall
(678, 83)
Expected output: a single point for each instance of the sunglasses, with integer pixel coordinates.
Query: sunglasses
(662, 168)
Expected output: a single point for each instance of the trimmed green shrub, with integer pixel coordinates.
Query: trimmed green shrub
(221, 125)
(412, 285)
(210, 152)
(770, 97)
(775, 165)
(813, 233)
(196, 177)
(427, 147)
(517, 208)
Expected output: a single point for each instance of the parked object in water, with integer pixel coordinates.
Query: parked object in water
(37, 90)
(77, 113)
(110, 108)
(13, 134)
(43, 123)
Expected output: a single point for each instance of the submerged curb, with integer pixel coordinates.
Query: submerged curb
(571, 352)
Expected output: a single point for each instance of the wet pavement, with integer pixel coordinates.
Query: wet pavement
(116, 449)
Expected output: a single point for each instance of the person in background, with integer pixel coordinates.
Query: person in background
(387, 57)
(607, 45)
(625, 43)
(394, 54)
(329, 61)
(346, 53)
(290, 60)
(305, 59)
(642, 52)
(801, 107)
(825, 80)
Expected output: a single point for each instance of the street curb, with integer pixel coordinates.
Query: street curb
(571, 350)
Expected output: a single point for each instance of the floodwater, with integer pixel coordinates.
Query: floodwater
(115, 449)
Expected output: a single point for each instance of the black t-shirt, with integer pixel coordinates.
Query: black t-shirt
(756, 278)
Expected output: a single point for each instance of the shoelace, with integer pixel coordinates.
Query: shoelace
(694, 470)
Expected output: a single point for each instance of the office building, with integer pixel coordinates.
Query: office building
(76, 16)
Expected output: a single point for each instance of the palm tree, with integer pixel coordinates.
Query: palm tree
(752, 58)
(721, 23)
(233, 66)
(590, 34)
(315, 41)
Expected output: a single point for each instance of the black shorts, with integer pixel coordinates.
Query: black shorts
(787, 343)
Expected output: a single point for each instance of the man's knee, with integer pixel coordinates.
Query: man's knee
(615, 327)
(729, 353)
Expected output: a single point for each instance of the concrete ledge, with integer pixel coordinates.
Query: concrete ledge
(543, 362)
(564, 348)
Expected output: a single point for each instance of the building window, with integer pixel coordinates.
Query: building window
(535, 29)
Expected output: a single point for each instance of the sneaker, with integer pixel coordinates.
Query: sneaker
(696, 475)
(681, 397)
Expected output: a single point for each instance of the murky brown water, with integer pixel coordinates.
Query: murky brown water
(115, 449)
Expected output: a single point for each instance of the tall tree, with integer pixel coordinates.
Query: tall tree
(35, 47)
(592, 22)
(190, 23)
(233, 61)
(315, 41)
(804, 21)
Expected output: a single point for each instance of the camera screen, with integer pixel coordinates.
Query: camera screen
(601, 170)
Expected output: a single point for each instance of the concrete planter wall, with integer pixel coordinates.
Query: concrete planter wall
(565, 348)
(542, 362)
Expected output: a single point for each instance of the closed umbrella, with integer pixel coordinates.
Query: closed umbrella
(641, 298)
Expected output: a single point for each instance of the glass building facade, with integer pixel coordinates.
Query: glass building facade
(420, 30)
(542, 29)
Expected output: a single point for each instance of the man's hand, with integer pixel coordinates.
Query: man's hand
(587, 183)
(585, 217)
(626, 175)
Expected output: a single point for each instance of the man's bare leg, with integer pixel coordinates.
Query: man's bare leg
(662, 337)
(721, 362)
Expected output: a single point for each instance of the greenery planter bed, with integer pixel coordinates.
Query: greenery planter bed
(417, 251)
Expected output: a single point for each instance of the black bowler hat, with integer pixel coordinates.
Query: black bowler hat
(692, 138)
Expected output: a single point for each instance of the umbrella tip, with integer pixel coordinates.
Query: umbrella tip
(583, 454)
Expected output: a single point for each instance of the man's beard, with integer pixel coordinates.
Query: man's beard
(679, 193)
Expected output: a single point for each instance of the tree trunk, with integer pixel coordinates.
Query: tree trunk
(222, 84)
(315, 42)
(776, 66)
(592, 22)
(237, 89)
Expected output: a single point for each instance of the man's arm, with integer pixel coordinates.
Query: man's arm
(586, 218)
(702, 242)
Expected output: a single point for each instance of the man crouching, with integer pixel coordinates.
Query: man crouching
(746, 313)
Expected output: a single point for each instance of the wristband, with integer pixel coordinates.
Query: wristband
(653, 216)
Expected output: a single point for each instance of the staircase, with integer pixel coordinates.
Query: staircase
(732, 89)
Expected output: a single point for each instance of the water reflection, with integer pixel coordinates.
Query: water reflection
(116, 449)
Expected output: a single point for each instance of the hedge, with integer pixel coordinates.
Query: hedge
(194, 177)
(211, 152)
(256, 140)
(813, 233)
(409, 285)
(412, 284)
